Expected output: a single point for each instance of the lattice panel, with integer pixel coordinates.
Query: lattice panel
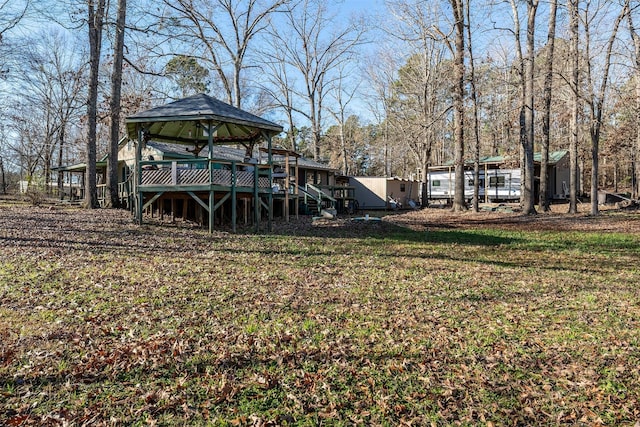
(263, 182)
(193, 176)
(244, 179)
(222, 177)
(156, 177)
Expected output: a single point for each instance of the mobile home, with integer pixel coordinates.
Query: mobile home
(499, 179)
(495, 184)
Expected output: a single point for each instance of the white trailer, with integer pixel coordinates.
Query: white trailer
(496, 184)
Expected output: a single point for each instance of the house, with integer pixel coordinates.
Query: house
(202, 158)
(298, 184)
(161, 162)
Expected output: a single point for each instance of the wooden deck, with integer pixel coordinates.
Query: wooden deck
(210, 183)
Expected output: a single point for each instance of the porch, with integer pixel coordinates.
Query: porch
(204, 189)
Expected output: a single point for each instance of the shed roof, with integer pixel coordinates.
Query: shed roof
(187, 120)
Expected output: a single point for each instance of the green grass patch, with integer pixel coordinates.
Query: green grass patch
(365, 325)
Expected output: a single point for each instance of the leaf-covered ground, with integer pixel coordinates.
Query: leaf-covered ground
(466, 319)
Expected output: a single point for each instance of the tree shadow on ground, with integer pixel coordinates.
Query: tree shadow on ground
(383, 230)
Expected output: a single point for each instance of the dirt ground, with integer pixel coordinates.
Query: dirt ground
(508, 217)
(611, 219)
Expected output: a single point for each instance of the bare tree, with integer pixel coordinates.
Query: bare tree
(596, 98)
(342, 95)
(279, 83)
(635, 37)
(458, 102)
(421, 97)
(116, 89)
(574, 29)
(27, 146)
(474, 103)
(50, 86)
(525, 69)
(96, 15)
(315, 52)
(547, 96)
(222, 30)
(381, 74)
(10, 16)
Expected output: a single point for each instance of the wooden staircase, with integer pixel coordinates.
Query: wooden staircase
(315, 199)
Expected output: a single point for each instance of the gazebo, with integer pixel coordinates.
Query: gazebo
(202, 121)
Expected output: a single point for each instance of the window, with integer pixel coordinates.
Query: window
(435, 183)
(402, 188)
(497, 181)
(470, 183)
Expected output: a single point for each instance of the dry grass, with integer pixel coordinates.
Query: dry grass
(465, 319)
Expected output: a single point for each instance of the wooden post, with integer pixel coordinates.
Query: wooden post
(139, 174)
(234, 198)
(287, 184)
(256, 199)
(212, 200)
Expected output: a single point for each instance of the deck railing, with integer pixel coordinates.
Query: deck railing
(203, 172)
(339, 191)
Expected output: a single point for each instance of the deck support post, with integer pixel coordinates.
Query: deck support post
(234, 198)
(139, 195)
(149, 204)
(211, 209)
(256, 200)
(267, 138)
(212, 201)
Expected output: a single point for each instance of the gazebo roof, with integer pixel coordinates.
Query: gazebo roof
(187, 121)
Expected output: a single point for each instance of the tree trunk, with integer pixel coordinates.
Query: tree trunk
(425, 185)
(96, 17)
(595, 142)
(387, 169)
(476, 126)
(522, 130)
(546, 121)
(292, 131)
(116, 86)
(61, 136)
(575, 106)
(529, 179)
(343, 148)
(597, 105)
(635, 190)
(458, 105)
(236, 83)
(4, 181)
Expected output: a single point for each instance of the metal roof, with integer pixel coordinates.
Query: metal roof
(187, 120)
(554, 157)
(225, 152)
(78, 167)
